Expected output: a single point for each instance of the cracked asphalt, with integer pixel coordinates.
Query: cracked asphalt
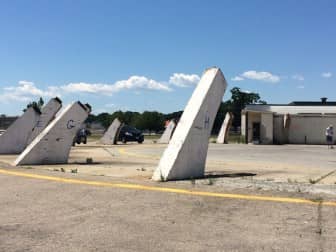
(41, 215)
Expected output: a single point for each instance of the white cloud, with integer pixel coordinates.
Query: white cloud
(326, 75)
(134, 82)
(301, 87)
(26, 91)
(237, 78)
(298, 77)
(259, 76)
(184, 80)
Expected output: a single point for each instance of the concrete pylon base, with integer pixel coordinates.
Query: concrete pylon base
(110, 136)
(167, 134)
(53, 144)
(186, 153)
(14, 139)
(48, 113)
(225, 128)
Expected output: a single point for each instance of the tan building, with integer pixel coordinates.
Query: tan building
(295, 123)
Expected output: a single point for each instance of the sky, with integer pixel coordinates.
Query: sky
(149, 55)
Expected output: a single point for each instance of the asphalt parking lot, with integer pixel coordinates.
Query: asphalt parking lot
(313, 164)
(48, 215)
(253, 198)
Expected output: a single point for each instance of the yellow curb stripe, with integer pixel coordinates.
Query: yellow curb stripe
(168, 190)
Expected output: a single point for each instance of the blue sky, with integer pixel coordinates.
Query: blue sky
(149, 55)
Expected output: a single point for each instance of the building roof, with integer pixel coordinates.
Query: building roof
(312, 103)
(291, 109)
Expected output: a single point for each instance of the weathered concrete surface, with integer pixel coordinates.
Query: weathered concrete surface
(167, 134)
(39, 215)
(186, 153)
(110, 136)
(225, 128)
(14, 139)
(296, 165)
(53, 144)
(48, 113)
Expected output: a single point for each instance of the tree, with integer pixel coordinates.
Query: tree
(239, 99)
(154, 121)
(150, 120)
(35, 104)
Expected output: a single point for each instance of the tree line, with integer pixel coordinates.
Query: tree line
(155, 121)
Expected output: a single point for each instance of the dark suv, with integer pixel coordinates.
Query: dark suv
(130, 134)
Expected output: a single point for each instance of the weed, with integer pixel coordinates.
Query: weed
(162, 177)
(317, 199)
(74, 170)
(312, 181)
(211, 181)
(192, 181)
(62, 169)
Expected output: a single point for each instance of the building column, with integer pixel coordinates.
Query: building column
(266, 133)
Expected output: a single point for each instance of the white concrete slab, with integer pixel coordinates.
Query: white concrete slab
(167, 134)
(14, 139)
(185, 156)
(110, 136)
(48, 113)
(225, 128)
(53, 144)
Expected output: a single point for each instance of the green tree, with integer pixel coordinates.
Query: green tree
(239, 99)
(150, 120)
(35, 104)
(105, 119)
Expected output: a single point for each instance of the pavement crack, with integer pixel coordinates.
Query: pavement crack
(109, 152)
(319, 230)
(324, 176)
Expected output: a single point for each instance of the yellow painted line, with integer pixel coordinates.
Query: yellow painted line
(168, 190)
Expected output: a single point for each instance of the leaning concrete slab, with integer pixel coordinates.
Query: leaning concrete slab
(186, 153)
(110, 136)
(48, 113)
(53, 144)
(167, 134)
(14, 139)
(224, 131)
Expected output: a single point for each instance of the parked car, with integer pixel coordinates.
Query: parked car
(130, 134)
(81, 136)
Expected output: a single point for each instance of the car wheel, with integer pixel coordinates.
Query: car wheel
(124, 140)
(140, 141)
